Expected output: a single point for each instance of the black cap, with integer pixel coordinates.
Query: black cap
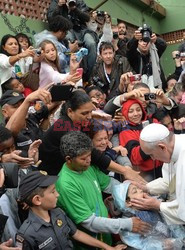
(11, 97)
(33, 180)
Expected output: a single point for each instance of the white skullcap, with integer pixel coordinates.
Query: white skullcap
(154, 132)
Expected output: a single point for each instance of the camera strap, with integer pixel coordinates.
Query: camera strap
(106, 75)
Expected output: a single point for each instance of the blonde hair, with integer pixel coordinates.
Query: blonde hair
(55, 64)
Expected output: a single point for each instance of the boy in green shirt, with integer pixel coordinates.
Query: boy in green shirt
(80, 187)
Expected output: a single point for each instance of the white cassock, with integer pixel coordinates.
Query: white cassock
(172, 183)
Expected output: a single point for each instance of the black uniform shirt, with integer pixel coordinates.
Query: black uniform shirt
(35, 233)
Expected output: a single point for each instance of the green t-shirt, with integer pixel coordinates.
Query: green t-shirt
(80, 194)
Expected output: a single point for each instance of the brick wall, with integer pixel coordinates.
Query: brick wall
(33, 9)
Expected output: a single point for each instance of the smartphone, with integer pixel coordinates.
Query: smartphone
(80, 71)
(61, 92)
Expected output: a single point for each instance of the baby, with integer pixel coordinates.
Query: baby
(161, 236)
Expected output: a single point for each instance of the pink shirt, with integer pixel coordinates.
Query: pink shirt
(47, 75)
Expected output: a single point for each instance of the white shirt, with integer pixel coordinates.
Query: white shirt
(174, 209)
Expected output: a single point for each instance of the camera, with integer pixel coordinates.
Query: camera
(146, 33)
(81, 53)
(96, 81)
(115, 35)
(136, 77)
(150, 96)
(11, 174)
(178, 55)
(72, 3)
(100, 13)
(37, 51)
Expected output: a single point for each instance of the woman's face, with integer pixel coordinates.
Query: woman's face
(23, 41)
(82, 114)
(100, 140)
(11, 46)
(135, 113)
(50, 52)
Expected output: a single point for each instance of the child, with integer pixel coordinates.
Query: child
(48, 227)
(161, 235)
(15, 84)
(50, 68)
(24, 41)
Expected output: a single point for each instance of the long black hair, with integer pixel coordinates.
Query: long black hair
(3, 42)
(77, 99)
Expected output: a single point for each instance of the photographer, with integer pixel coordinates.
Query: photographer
(76, 11)
(108, 70)
(144, 51)
(120, 39)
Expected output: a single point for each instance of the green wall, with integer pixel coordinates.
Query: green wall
(12, 25)
(174, 20)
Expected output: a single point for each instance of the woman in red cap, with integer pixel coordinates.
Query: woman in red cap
(137, 118)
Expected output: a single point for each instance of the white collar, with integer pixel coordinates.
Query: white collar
(177, 147)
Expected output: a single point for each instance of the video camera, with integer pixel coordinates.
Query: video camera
(81, 53)
(146, 33)
(180, 54)
(11, 174)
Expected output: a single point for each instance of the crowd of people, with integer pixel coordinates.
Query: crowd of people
(92, 138)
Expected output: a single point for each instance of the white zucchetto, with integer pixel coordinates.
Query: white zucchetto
(154, 132)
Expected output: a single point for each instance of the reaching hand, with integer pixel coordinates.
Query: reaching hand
(130, 174)
(7, 245)
(140, 226)
(138, 35)
(179, 124)
(146, 203)
(118, 247)
(16, 158)
(40, 94)
(33, 151)
(120, 149)
(28, 52)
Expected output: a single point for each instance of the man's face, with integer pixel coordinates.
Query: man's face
(107, 56)
(121, 30)
(8, 110)
(143, 47)
(178, 97)
(81, 162)
(159, 152)
(142, 99)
